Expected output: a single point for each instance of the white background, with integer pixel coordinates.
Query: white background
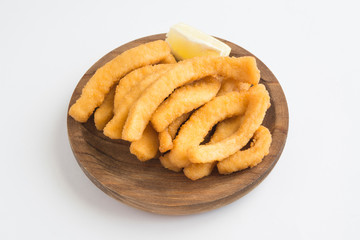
(312, 47)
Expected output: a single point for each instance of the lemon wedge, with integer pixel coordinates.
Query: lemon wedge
(187, 42)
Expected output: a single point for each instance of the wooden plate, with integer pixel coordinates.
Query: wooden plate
(150, 187)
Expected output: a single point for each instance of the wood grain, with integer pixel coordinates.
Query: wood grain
(150, 187)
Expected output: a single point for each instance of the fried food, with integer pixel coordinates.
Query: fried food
(223, 130)
(165, 141)
(183, 100)
(105, 112)
(131, 80)
(196, 171)
(150, 106)
(105, 77)
(128, 92)
(166, 137)
(165, 162)
(241, 69)
(193, 132)
(168, 59)
(229, 85)
(259, 101)
(250, 157)
(147, 146)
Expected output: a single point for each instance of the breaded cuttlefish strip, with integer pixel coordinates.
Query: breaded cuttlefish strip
(168, 59)
(183, 100)
(241, 69)
(105, 111)
(133, 79)
(166, 163)
(223, 130)
(166, 137)
(105, 77)
(250, 157)
(147, 146)
(229, 85)
(195, 129)
(259, 101)
(127, 92)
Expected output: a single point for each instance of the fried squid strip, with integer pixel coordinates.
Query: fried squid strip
(250, 157)
(125, 99)
(183, 100)
(105, 77)
(259, 100)
(166, 163)
(105, 112)
(223, 130)
(132, 79)
(166, 137)
(195, 129)
(241, 69)
(229, 85)
(147, 146)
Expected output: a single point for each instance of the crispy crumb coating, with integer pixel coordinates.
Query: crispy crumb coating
(125, 96)
(166, 137)
(165, 162)
(196, 171)
(242, 69)
(259, 101)
(223, 130)
(105, 111)
(147, 146)
(250, 157)
(229, 85)
(105, 77)
(193, 132)
(183, 100)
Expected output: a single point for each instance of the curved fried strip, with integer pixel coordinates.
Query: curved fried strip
(229, 85)
(165, 141)
(132, 79)
(105, 112)
(193, 132)
(183, 100)
(223, 130)
(242, 86)
(166, 137)
(112, 101)
(259, 101)
(242, 69)
(166, 163)
(196, 171)
(250, 157)
(114, 128)
(175, 125)
(147, 146)
(105, 77)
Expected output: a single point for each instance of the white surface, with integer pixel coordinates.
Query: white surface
(311, 46)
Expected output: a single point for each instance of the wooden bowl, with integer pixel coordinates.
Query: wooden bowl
(150, 187)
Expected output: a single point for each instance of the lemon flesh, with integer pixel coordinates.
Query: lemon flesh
(188, 42)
